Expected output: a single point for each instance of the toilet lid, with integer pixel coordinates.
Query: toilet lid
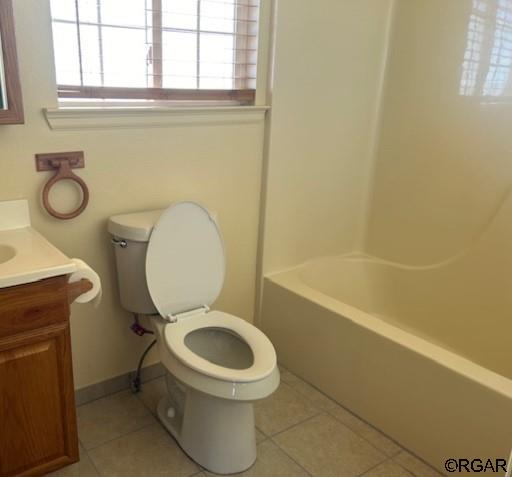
(185, 259)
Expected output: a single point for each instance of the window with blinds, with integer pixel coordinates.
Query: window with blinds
(156, 49)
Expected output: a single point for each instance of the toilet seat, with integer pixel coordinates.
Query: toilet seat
(185, 261)
(262, 349)
(185, 268)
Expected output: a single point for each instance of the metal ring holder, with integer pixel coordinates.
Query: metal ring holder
(63, 162)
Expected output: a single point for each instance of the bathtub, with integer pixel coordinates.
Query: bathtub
(402, 347)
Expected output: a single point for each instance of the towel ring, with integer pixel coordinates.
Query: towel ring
(63, 165)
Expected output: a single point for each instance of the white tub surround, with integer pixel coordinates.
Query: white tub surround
(431, 400)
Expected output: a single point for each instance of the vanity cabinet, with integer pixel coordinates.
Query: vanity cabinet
(38, 430)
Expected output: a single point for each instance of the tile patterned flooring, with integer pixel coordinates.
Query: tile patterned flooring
(300, 433)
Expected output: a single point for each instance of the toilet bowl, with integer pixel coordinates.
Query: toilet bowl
(171, 266)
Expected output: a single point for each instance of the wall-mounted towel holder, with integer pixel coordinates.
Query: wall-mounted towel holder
(62, 163)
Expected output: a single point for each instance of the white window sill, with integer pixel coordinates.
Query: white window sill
(66, 118)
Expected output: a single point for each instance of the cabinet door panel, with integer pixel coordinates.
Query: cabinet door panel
(35, 386)
(33, 306)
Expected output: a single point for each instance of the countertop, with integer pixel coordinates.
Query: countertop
(25, 255)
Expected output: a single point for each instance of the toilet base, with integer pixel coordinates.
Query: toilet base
(218, 434)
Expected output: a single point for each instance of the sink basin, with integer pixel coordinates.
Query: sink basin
(25, 255)
(6, 253)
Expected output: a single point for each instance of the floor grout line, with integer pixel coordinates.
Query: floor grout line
(94, 464)
(86, 452)
(122, 435)
(387, 458)
(201, 471)
(417, 458)
(271, 436)
(367, 424)
(328, 411)
(104, 396)
(367, 440)
(318, 411)
(374, 467)
(403, 468)
(291, 458)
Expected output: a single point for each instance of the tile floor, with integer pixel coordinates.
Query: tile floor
(300, 432)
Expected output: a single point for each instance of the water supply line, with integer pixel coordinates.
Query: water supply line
(139, 330)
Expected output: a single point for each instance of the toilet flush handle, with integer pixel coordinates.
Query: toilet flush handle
(119, 243)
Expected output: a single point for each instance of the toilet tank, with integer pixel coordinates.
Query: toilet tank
(130, 236)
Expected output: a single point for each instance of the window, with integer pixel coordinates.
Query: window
(487, 66)
(156, 49)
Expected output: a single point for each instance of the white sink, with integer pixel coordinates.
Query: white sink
(6, 253)
(25, 255)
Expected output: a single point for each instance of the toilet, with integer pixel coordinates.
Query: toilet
(171, 266)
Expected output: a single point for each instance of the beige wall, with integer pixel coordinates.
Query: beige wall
(128, 170)
(443, 162)
(327, 72)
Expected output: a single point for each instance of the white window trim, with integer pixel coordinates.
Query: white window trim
(68, 118)
(71, 115)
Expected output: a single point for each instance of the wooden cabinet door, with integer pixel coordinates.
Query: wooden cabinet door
(37, 413)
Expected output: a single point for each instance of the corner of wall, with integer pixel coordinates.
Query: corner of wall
(270, 20)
